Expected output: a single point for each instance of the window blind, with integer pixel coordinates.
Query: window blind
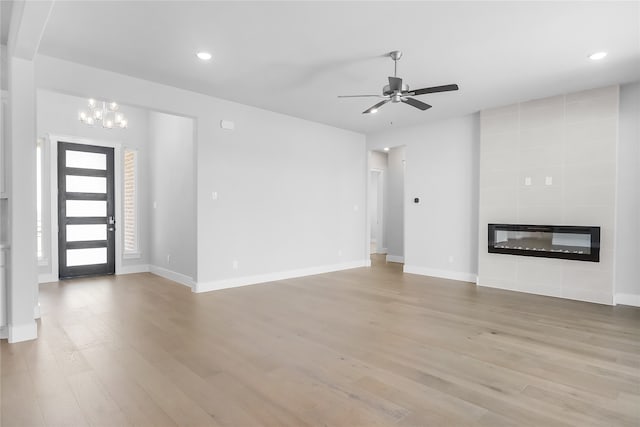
(130, 208)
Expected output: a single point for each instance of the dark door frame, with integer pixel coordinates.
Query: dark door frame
(63, 221)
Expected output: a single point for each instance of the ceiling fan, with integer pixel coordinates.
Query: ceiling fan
(396, 91)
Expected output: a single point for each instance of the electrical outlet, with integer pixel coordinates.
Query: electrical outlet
(155, 205)
(168, 259)
(214, 195)
(339, 252)
(450, 259)
(235, 264)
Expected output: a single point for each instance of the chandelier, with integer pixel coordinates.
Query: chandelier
(105, 113)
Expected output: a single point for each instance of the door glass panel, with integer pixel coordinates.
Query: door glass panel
(84, 232)
(82, 159)
(76, 208)
(86, 184)
(88, 256)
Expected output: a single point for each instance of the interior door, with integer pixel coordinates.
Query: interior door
(86, 210)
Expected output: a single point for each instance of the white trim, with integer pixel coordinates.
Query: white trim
(627, 299)
(117, 170)
(131, 255)
(23, 332)
(125, 269)
(43, 262)
(235, 282)
(47, 278)
(36, 311)
(395, 258)
(444, 274)
(133, 269)
(172, 275)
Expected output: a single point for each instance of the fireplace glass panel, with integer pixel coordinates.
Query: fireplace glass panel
(544, 241)
(549, 241)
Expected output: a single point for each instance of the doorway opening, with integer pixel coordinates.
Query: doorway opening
(86, 210)
(386, 176)
(376, 211)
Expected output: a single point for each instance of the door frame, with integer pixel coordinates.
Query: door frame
(380, 237)
(53, 140)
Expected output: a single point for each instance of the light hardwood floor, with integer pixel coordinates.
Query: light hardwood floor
(363, 347)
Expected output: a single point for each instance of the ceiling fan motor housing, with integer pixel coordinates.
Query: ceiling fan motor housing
(386, 91)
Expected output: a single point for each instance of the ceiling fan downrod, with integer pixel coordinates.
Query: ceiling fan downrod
(395, 55)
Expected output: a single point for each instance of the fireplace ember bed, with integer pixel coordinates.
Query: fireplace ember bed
(547, 241)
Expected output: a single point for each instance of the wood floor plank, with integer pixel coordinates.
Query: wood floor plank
(361, 347)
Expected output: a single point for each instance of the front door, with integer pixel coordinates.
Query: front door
(86, 210)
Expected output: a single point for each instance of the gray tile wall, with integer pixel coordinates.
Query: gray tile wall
(571, 141)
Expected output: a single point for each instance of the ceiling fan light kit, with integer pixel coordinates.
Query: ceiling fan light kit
(397, 91)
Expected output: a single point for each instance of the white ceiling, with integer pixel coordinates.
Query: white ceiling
(296, 57)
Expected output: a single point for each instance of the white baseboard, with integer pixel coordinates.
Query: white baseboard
(172, 275)
(47, 278)
(443, 274)
(129, 269)
(627, 299)
(23, 332)
(132, 269)
(280, 275)
(395, 258)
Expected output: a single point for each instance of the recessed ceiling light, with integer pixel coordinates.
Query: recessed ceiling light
(205, 56)
(386, 148)
(597, 55)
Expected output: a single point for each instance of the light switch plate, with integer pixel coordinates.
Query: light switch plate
(548, 180)
(227, 124)
(527, 180)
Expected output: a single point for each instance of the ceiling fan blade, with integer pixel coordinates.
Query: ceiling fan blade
(415, 103)
(361, 96)
(375, 107)
(434, 89)
(395, 83)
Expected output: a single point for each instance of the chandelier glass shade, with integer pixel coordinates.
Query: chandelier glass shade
(104, 113)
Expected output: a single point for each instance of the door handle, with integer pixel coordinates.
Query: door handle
(111, 220)
(111, 229)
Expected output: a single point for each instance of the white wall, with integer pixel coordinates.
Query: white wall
(57, 114)
(441, 170)
(627, 286)
(291, 193)
(572, 139)
(3, 67)
(172, 196)
(21, 150)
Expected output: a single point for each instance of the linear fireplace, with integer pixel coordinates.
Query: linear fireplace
(548, 241)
